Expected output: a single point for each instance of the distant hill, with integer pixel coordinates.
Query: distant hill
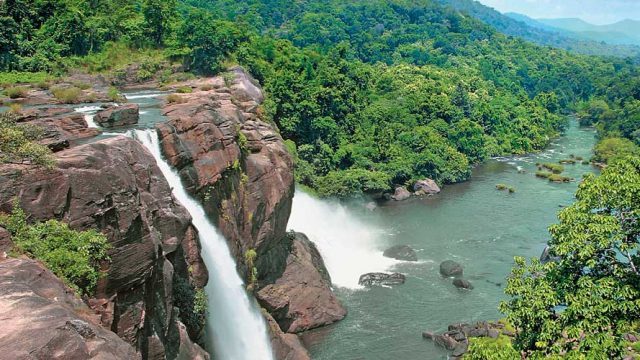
(623, 32)
(541, 33)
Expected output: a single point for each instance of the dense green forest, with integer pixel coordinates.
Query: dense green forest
(370, 94)
(374, 94)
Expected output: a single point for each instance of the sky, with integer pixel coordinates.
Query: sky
(594, 11)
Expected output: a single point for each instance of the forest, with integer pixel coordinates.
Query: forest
(370, 95)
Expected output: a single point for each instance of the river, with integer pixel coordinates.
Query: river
(472, 223)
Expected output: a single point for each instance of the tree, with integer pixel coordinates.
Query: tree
(158, 16)
(583, 303)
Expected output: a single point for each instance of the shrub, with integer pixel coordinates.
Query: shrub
(184, 90)
(488, 348)
(555, 168)
(250, 260)
(343, 183)
(18, 142)
(16, 92)
(192, 303)
(24, 77)
(175, 99)
(543, 174)
(614, 148)
(559, 178)
(567, 161)
(512, 190)
(206, 87)
(82, 85)
(43, 85)
(74, 256)
(501, 187)
(66, 95)
(114, 95)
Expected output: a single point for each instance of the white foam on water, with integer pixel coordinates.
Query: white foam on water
(349, 247)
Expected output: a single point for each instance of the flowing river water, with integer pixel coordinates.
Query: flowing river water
(472, 223)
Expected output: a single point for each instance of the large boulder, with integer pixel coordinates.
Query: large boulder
(302, 299)
(426, 187)
(401, 252)
(115, 186)
(450, 268)
(381, 279)
(401, 194)
(117, 116)
(42, 319)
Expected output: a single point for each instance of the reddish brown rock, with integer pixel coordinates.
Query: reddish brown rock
(233, 161)
(117, 116)
(302, 299)
(426, 187)
(42, 319)
(285, 346)
(115, 186)
(61, 126)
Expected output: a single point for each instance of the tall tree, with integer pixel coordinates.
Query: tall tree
(158, 16)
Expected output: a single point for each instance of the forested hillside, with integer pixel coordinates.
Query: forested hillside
(370, 94)
(520, 26)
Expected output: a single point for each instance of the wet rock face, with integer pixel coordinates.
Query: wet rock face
(462, 284)
(381, 279)
(114, 186)
(117, 116)
(302, 299)
(285, 346)
(233, 161)
(401, 252)
(42, 319)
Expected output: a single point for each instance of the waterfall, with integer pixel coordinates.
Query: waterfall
(238, 328)
(89, 112)
(348, 246)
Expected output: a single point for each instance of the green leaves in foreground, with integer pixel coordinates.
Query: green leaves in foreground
(584, 303)
(74, 256)
(17, 143)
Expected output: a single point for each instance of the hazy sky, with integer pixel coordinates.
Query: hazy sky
(593, 11)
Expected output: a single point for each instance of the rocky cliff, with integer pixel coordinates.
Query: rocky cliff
(114, 186)
(236, 163)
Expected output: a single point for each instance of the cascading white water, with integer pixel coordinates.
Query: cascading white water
(349, 247)
(89, 112)
(238, 328)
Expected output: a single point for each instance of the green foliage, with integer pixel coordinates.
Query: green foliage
(16, 92)
(208, 41)
(18, 142)
(555, 168)
(74, 256)
(494, 349)
(611, 149)
(250, 260)
(184, 90)
(351, 182)
(158, 19)
(584, 303)
(66, 95)
(114, 95)
(175, 99)
(192, 302)
(559, 178)
(543, 174)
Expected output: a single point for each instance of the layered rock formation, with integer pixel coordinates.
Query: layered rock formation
(114, 186)
(42, 319)
(60, 126)
(237, 165)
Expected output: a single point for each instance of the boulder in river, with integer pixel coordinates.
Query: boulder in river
(401, 194)
(381, 279)
(426, 187)
(401, 252)
(117, 116)
(450, 268)
(462, 284)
